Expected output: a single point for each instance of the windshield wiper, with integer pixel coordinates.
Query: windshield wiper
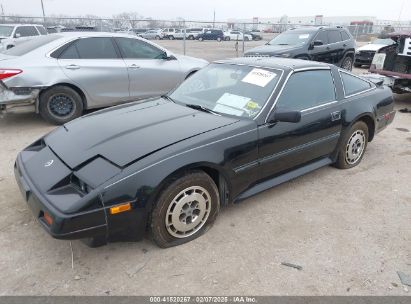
(283, 44)
(168, 98)
(201, 108)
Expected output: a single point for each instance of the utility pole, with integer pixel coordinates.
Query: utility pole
(44, 14)
(214, 20)
(2, 12)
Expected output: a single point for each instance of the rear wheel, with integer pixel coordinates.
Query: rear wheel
(347, 63)
(200, 39)
(219, 39)
(171, 37)
(353, 146)
(60, 104)
(227, 38)
(185, 210)
(190, 37)
(158, 37)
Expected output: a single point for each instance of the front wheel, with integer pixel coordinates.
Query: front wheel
(227, 38)
(200, 39)
(186, 209)
(219, 39)
(171, 37)
(60, 104)
(352, 146)
(347, 63)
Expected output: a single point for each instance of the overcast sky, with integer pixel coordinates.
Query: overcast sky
(203, 9)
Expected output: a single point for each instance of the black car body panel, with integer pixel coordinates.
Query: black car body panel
(330, 51)
(129, 153)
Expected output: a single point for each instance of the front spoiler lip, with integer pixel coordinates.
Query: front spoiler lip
(42, 204)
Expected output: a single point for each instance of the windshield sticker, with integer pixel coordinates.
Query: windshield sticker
(259, 77)
(228, 110)
(233, 101)
(303, 36)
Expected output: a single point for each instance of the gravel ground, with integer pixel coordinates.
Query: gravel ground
(348, 229)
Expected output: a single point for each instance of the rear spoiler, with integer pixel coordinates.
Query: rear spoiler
(376, 79)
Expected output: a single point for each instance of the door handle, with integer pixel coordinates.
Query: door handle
(335, 115)
(72, 67)
(344, 45)
(134, 66)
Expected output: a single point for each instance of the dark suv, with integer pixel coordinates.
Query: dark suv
(326, 44)
(211, 35)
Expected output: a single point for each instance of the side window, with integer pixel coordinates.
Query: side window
(322, 36)
(334, 36)
(136, 49)
(353, 84)
(70, 52)
(345, 36)
(41, 30)
(96, 48)
(307, 89)
(26, 31)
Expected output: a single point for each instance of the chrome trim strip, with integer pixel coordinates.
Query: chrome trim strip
(312, 68)
(298, 148)
(247, 166)
(320, 106)
(178, 154)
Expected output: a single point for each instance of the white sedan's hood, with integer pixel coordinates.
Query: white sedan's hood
(371, 47)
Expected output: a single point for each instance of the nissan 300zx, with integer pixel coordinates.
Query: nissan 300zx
(167, 165)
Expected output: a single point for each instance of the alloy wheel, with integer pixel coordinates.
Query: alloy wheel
(188, 212)
(355, 147)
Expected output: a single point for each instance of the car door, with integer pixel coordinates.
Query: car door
(336, 46)
(95, 66)
(321, 52)
(284, 145)
(150, 71)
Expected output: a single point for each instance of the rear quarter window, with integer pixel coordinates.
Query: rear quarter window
(353, 84)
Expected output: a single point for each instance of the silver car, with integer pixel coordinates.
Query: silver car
(61, 75)
(152, 34)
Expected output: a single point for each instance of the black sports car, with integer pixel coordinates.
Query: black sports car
(233, 129)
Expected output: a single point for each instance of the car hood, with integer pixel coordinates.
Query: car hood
(371, 47)
(190, 59)
(272, 49)
(130, 132)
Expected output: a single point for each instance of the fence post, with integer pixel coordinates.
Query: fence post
(184, 37)
(243, 38)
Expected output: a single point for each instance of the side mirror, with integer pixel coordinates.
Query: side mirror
(284, 116)
(318, 43)
(166, 56)
(17, 35)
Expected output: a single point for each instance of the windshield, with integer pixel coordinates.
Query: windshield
(383, 41)
(30, 45)
(291, 38)
(5, 31)
(229, 89)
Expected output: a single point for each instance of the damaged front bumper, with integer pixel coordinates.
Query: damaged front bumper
(18, 99)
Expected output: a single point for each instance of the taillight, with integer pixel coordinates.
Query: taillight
(6, 73)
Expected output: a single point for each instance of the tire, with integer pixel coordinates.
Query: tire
(9, 47)
(191, 37)
(357, 65)
(60, 104)
(246, 39)
(353, 146)
(201, 203)
(158, 37)
(200, 39)
(227, 38)
(347, 63)
(219, 39)
(171, 37)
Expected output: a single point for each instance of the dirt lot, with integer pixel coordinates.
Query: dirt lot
(348, 229)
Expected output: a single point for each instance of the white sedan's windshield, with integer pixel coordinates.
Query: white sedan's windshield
(5, 30)
(229, 89)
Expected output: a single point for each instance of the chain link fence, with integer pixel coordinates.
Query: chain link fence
(257, 33)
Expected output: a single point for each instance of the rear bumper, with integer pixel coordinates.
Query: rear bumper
(384, 120)
(17, 100)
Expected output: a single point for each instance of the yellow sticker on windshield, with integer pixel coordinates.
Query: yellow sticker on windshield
(251, 105)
